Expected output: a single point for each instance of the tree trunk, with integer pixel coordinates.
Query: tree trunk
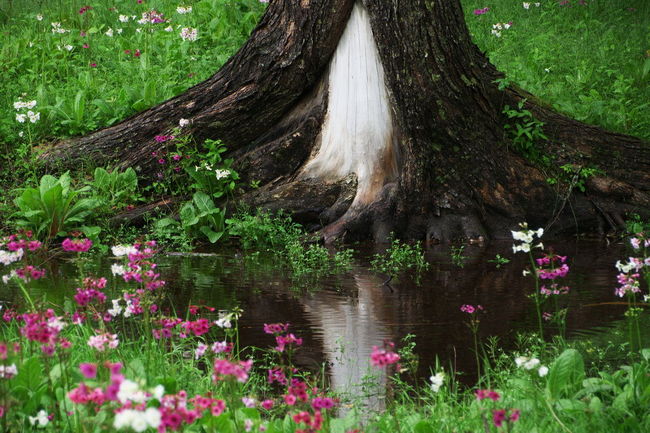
(381, 116)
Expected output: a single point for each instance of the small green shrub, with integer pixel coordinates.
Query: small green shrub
(54, 208)
(114, 189)
(398, 258)
(315, 261)
(263, 231)
(525, 131)
(199, 217)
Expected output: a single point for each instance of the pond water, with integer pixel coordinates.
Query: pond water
(341, 318)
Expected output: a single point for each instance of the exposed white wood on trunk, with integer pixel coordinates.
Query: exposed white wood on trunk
(358, 134)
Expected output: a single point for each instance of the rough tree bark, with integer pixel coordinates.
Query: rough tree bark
(366, 117)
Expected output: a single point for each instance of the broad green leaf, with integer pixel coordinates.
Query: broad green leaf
(203, 202)
(567, 372)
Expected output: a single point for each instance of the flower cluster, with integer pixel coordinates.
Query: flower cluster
(631, 270)
(551, 267)
(282, 341)
(152, 17)
(189, 34)
(499, 416)
(530, 363)
(381, 357)
(103, 341)
(526, 237)
(184, 9)
(238, 369)
(437, 381)
(526, 5)
(45, 328)
(470, 309)
(498, 28)
(21, 115)
(76, 245)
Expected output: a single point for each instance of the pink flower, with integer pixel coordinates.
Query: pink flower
(481, 11)
(88, 370)
(385, 356)
(268, 404)
(498, 416)
(76, 245)
(482, 394)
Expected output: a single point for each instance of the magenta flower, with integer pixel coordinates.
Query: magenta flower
(481, 11)
(385, 356)
(498, 416)
(76, 245)
(88, 370)
(267, 404)
(482, 394)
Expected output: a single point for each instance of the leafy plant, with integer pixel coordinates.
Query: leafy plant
(54, 208)
(213, 175)
(315, 261)
(399, 258)
(263, 231)
(457, 257)
(114, 188)
(198, 217)
(499, 260)
(525, 132)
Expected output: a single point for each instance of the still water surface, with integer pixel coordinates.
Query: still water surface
(341, 318)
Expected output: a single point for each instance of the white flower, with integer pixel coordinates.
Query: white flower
(137, 420)
(526, 5)
(543, 371)
(223, 323)
(21, 118)
(183, 122)
(523, 236)
(526, 362)
(625, 268)
(646, 298)
(248, 402)
(9, 371)
(158, 392)
(116, 310)
(68, 47)
(547, 70)
(537, 4)
(7, 258)
(184, 9)
(152, 416)
(117, 269)
(123, 250)
(531, 363)
(56, 323)
(525, 273)
(437, 381)
(21, 134)
(523, 247)
(220, 174)
(189, 34)
(39, 17)
(41, 418)
(119, 31)
(33, 117)
(123, 18)
(130, 391)
(506, 25)
(109, 32)
(169, 29)
(138, 30)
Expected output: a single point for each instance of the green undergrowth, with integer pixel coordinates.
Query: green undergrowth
(589, 59)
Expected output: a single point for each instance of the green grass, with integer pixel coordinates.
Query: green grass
(589, 61)
(81, 89)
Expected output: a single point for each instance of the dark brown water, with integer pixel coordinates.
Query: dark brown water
(341, 318)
